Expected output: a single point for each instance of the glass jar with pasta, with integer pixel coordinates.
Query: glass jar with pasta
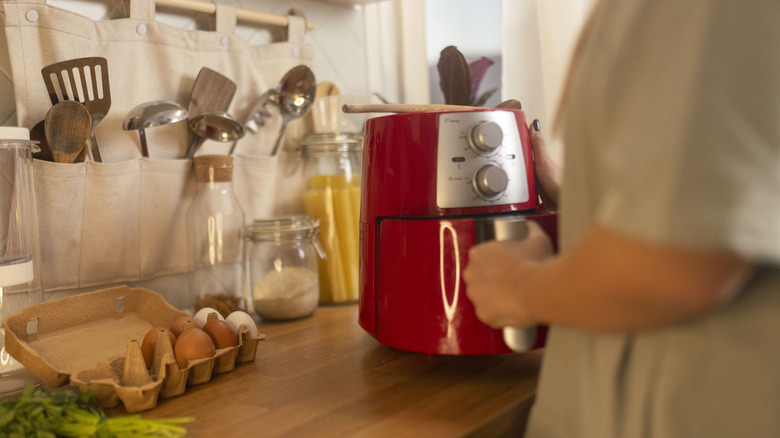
(331, 167)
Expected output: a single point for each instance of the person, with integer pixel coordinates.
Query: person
(664, 299)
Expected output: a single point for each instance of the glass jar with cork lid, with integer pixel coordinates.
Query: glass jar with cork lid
(215, 244)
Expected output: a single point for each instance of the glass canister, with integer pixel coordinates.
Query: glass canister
(20, 267)
(282, 262)
(215, 243)
(331, 168)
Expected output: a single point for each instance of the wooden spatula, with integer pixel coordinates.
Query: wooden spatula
(84, 80)
(211, 92)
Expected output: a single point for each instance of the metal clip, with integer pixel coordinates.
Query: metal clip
(317, 245)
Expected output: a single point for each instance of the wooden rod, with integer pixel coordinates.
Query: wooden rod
(242, 14)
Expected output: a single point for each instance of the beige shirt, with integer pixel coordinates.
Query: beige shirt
(672, 136)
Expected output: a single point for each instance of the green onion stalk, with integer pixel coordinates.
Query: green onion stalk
(61, 413)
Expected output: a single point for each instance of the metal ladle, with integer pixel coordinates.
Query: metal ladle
(150, 115)
(294, 97)
(216, 125)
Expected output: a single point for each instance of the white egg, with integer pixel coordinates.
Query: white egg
(235, 319)
(202, 315)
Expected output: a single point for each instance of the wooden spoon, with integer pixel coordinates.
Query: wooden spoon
(37, 134)
(323, 89)
(326, 88)
(353, 108)
(417, 108)
(510, 104)
(67, 127)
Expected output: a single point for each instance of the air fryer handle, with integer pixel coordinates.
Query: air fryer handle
(508, 228)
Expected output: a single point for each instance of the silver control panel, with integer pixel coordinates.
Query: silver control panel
(480, 160)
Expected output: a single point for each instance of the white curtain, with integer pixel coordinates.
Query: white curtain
(538, 36)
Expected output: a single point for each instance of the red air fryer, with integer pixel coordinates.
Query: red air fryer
(430, 181)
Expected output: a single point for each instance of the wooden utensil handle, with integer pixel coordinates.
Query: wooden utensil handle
(402, 108)
(410, 108)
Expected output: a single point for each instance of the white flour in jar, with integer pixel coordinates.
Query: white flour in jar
(286, 294)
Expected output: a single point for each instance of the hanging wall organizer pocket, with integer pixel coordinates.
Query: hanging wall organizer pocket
(123, 220)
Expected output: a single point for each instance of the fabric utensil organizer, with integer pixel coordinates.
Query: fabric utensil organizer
(123, 220)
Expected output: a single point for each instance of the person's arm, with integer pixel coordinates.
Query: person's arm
(607, 282)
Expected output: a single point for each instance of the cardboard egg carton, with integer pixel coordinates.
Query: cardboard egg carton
(93, 341)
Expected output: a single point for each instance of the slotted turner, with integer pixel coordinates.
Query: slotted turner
(84, 80)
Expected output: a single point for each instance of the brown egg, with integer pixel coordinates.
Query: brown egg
(192, 343)
(182, 323)
(221, 333)
(150, 340)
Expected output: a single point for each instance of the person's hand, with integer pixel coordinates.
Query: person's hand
(496, 272)
(548, 171)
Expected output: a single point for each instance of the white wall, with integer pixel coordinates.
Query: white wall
(475, 31)
(538, 38)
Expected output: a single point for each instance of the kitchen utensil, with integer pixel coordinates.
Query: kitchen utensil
(403, 108)
(84, 80)
(150, 115)
(257, 115)
(259, 112)
(509, 228)
(274, 97)
(428, 180)
(510, 104)
(326, 88)
(216, 125)
(211, 92)
(295, 95)
(37, 133)
(67, 127)
(412, 108)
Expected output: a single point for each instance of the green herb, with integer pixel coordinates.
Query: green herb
(51, 414)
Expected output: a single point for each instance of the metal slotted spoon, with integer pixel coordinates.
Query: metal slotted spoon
(84, 80)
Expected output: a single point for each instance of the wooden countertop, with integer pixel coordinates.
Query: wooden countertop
(325, 377)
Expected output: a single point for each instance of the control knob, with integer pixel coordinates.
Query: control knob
(486, 137)
(490, 181)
